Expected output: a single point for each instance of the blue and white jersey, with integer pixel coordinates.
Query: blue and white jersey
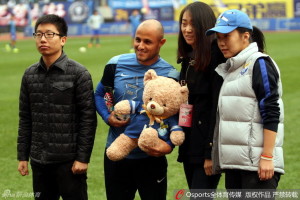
(125, 75)
(129, 76)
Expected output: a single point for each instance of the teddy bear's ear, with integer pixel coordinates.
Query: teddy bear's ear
(149, 75)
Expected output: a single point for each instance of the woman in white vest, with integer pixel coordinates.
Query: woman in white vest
(249, 131)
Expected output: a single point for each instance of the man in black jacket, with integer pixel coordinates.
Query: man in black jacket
(57, 117)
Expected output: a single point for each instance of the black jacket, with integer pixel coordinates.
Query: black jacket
(204, 87)
(57, 113)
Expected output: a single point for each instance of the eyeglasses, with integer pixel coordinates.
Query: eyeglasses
(47, 35)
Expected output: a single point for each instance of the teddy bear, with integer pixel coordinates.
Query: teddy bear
(152, 120)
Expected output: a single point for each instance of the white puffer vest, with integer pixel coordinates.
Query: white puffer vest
(239, 135)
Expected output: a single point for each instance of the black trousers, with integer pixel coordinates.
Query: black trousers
(249, 180)
(148, 176)
(197, 179)
(55, 180)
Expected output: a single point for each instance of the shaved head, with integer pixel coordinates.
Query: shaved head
(149, 38)
(153, 26)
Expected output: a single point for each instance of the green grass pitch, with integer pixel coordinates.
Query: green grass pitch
(282, 46)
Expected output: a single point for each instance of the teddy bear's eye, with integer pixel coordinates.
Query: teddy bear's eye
(165, 105)
(150, 99)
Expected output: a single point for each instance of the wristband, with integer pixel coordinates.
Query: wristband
(266, 157)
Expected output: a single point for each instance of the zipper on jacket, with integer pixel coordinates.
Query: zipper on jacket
(250, 154)
(47, 83)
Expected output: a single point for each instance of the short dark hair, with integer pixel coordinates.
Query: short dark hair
(57, 21)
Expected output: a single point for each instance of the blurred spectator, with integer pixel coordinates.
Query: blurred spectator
(13, 36)
(134, 19)
(60, 10)
(21, 11)
(94, 22)
(34, 14)
(50, 9)
(4, 15)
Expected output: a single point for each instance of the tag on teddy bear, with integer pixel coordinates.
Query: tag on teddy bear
(185, 115)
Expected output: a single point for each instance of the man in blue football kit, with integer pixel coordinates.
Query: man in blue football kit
(124, 74)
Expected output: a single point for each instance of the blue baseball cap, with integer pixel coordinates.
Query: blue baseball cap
(230, 20)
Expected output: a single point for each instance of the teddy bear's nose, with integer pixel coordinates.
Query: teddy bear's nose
(152, 106)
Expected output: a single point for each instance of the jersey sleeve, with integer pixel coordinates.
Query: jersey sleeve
(100, 102)
(106, 81)
(265, 85)
(109, 75)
